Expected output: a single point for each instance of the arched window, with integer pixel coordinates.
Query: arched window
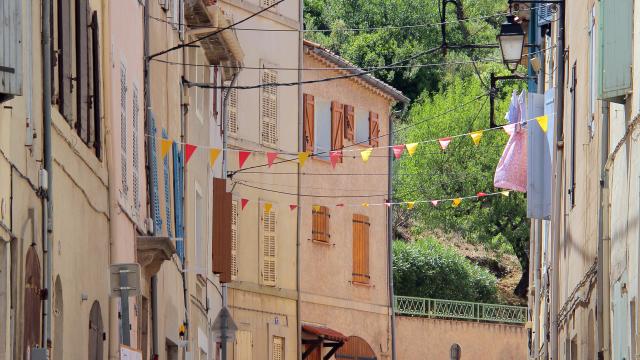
(95, 332)
(455, 352)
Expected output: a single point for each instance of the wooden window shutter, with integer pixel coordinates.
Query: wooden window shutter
(82, 69)
(337, 126)
(269, 246)
(65, 82)
(349, 122)
(320, 224)
(269, 108)
(234, 240)
(374, 129)
(309, 119)
(96, 85)
(222, 232)
(278, 348)
(360, 249)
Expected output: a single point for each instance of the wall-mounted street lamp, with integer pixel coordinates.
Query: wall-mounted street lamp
(511, 40)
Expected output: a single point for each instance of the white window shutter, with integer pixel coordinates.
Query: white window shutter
(267, 3)
(269, 246)
(234, 240)
(244, 345)
(232, 112)
(135, 108)
(278, 348)
(123, 128)
(269, 109)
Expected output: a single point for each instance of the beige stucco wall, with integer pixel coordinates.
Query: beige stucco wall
(425, 339)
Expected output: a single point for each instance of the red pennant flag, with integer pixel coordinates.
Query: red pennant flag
(481, 194)
(188, 151)
(271, 156)
(434, 202)
(398, 150)
(293, 206)
(242, 157)
(244, 203)
(340, 205)
(335, 157)
(444, 142)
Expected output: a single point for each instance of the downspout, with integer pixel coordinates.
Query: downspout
(151, 190)
(184, 109)
(603, 231)
(299, 179)
(557, 186)
(47, 203)
(390, 241)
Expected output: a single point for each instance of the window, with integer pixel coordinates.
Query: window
(322, 120)
(135, 109)
(269, 246)
(269, 108)
(349, 122)
(337, 125)
(267, 3)
(362, 127)
(123, 129)
(573, 89)
(309, 122)
(360, 249)
(455, 352)
(320, 224)
(234, 240)
(200, 248)
(278, 348)
(232, 112)
(374, 129)
(244, 345)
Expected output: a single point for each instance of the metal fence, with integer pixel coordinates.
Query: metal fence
(450, 309)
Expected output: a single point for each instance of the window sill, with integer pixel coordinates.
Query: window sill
(323, 243)
(361, 284)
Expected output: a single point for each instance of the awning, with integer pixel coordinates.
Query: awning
(317, 337)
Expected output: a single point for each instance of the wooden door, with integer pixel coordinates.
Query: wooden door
(95, 332)
(32, 301)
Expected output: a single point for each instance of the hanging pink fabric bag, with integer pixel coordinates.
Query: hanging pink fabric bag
(511, 172)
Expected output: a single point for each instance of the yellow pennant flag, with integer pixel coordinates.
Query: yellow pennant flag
(267, 207)
(411, 148)
(302, 157)
(505, 193)
(165, 146)
(213, 155)
(410, 204)
(476, 136)
(366, 154)
(456, 202)
(316, 208)
(365, 204)
(543, 121)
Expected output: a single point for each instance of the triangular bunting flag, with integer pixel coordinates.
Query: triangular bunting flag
(398, 150)
(244, 203)
(365, 204)
(444, 142)
(242, 157)
(302, 157)
(505, 193)
(366, 154)
(267, 207)
(543, 121)
(476, 136)
(316, 208)
(213, 155)
(434, 202)
(481, 194)
(456, 202)
(509, 129)
(410, 204)
(165, 145)
(188, 151)
(293, 206)
(335, 157)
(411, 148)
(271, 157)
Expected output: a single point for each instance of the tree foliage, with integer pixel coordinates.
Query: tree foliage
(426, 268)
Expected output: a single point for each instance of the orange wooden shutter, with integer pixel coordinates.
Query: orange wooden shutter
(337, 126)
(221, 234)
(374, 129)
(349, 122)
(360, 249)
(309, 119)
(320, 224)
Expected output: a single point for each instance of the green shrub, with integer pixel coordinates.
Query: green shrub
(426, 268)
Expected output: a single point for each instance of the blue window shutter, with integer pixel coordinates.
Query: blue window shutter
(545, 14)
(616, 45)
(178, 199)
(155, 201)
(167, 197)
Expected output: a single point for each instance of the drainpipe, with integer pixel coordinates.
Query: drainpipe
(47, 208)
(390, 241)
(603, 231)
(299, 179)
(557, 186)
(151, 190)
(535, 270)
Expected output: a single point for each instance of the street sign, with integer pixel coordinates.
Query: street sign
(224, 328)
(124, 277)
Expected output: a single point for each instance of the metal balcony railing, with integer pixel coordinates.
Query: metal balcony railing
(462, 310)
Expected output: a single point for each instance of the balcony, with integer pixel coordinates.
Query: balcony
(152, 251)
(204, 17)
